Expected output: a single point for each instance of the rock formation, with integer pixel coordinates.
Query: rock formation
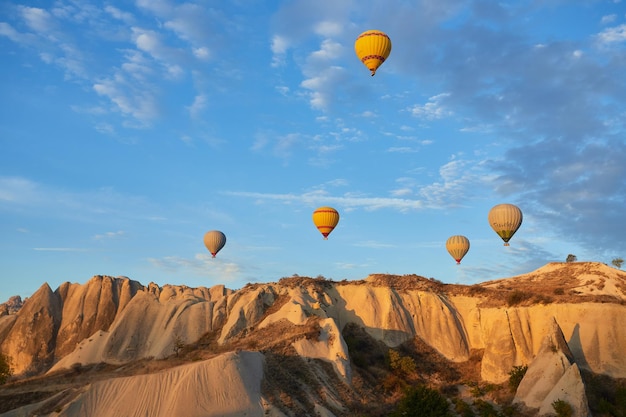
(575, 307)
(553, 376)
(12, 305)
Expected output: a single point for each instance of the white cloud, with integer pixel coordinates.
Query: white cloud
(329, 50)
(282, 89)
(11, 33)
(25, 196)
(105, 128)
(328, 28)
(610, 18)
(433, 109)
(279, 48)
(137, 65)
(402, 149)
(374, 244)
(61, 249)
(110, 235)
(338, 182)
(401, 192)
(37, 19)
(200, 264)
(202, 53)
(131, 100)
(347, 201)
(456, 183)
(17, 190)
(322, 87)
(118, 14)
(613, 35)
(199, 104)
(192, 22)
(152, 43)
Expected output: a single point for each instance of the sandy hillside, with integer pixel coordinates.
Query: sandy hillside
(574, 278)
(188, 390)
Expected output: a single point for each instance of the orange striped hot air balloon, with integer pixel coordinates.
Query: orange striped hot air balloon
(373, 48)
(505, 219)
(457, 247)
(325, 219)
(214, 240)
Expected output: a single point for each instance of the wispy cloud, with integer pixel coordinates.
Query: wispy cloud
(452, 187)
(27, 197)
(129, 99)
(279, 49)
(614, 34)
(433, 109)
(37, 19)
(119, 14)
(374, 244)
(61, 249)
(110, 235)
(198, 105)
(13, 34)
(456, 181)
(200, 264)
(321, 86)
(573, 195)
(346, 201)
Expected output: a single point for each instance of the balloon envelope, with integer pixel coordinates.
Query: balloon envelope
(373, 48)
(505, 219)
(214, 240)
(325, 219)
(457, 247)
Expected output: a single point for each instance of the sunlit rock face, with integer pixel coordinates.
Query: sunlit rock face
(30, 340)
(120, 316)
(553, 376)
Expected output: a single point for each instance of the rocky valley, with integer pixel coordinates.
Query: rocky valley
(303, 346)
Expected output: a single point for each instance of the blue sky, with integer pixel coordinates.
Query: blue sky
(130, 128)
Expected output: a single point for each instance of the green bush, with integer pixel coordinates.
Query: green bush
(463, 409)
(562, 408)
(485, 409)
(5, 368)
(424, 402)
(620, 400)
(515, 376)
(405, 364)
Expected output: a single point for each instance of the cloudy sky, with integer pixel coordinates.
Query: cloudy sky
(130, 128)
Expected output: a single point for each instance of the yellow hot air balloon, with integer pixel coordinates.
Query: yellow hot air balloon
(505, 219)
(214, 240)
(372, 47)
(457, 246)
(325, 219)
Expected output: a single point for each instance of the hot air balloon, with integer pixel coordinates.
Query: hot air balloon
(372, 47)
(325, 219)
(214, 240)
(505, 219)
(457, 246)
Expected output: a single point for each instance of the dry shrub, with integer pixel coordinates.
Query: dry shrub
(517, 297)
